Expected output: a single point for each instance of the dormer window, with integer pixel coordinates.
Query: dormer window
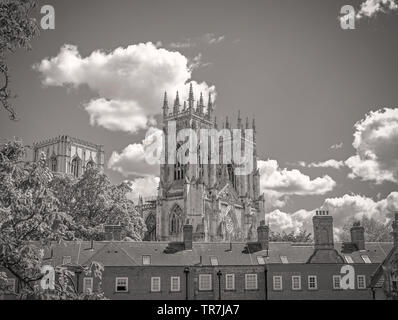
(146, 260)
(366, 258)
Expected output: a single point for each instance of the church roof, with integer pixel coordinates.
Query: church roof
(124, 253)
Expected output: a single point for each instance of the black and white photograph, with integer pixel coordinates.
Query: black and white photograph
(211, 156)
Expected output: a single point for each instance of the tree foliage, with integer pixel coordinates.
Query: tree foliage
(301, 236)
(17, 28)
(92, 202)
(375, 231)
(29, 221)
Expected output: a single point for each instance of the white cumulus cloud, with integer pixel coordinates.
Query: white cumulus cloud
(331, 163)
(376, 145)
(144, 187)
(130, 81)
(343, 209)
(371, 7)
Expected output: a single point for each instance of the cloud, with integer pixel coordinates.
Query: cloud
(337, 146)
(291, 181)
(132, 160)
(343, 209)
(144, 187)
(130, 81)
(327, 164)
(369, 8)
(278, 184)
(376, 145)
(208, 38)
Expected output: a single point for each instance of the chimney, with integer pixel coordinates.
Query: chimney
(395, 229)
(323, 230)
(262, 235)
(187, 236)
(113, 232)
(358, 235)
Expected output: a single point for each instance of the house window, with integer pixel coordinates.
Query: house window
(348, 259)
(175, 284)
(394, 282)
(155, 284)
(312, 283)
(260, 260)
(88, 285)
(205, 282)
(146, 260)
(66, 259)
(336, 282)
(296, 282)
(122, 284)
(214, 261)
(11, 285)
(277, 283)
(366, 259)
(284, 259)
(361, 282)
(230, 281)
(251, 281)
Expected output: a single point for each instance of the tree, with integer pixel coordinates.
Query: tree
(301, 236)
(29, 221)
(17, 29)
(92, 201)
(375, 231)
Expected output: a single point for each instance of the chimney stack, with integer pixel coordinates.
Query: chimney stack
(262, 235)
(395, 229)
(113, 232)
(323, 230)
(187, 236)
(358, 235)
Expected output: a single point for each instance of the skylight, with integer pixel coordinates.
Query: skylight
(348, 259)
(260, 260)
(214, 261)
(284, 259)
(366, 259)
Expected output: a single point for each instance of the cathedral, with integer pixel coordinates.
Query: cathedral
(220, 204)
(65, 154)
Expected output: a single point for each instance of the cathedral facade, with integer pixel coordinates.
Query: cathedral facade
(220, 204)
(65, 154)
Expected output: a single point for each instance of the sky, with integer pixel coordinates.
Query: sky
(324, 98)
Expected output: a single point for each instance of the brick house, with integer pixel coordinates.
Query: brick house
(259, 270)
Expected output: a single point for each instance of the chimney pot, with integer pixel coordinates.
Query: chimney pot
(262, 235)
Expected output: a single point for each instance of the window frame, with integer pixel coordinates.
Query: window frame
(299, 282)
(171, 284)
(127, 284)
(11, 282)
(153, 289)
(144, 257)
(366, 258)
(85, 285)
(334, 282)
(203, 276)
(231, 288)
(361, 276)
(284, 259)
(274, 287)
(315, 282)
(247, 275)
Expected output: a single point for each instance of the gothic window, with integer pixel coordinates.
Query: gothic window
(54, 164)
(150, 222)
(178, 171)
(175, 220)
(75, 167)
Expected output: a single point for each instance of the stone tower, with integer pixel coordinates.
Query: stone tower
(220, 204)
(69, 155)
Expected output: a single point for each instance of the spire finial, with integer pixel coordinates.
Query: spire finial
(176, 103)
(201, 100)
(190, 98)
(239, 120)
(165, 104)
